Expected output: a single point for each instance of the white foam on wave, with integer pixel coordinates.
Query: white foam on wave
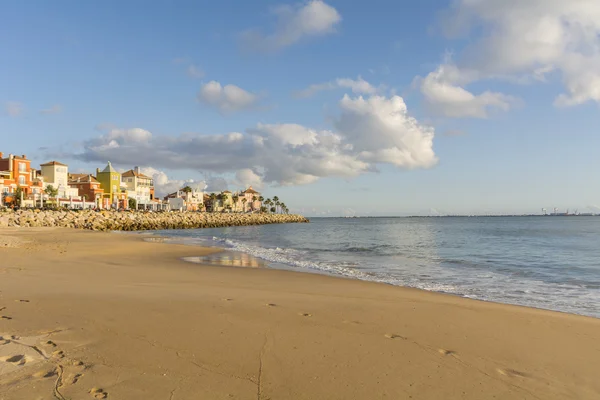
(488, 286)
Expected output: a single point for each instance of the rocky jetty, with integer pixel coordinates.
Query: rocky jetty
(137, 221)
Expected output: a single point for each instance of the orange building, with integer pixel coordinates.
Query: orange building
(19, 169)
(88, 187)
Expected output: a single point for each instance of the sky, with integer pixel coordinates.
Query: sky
(337, 107)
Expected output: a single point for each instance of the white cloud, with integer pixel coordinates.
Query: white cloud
(520, 39)
(445, 97)
(380, 130)
(312, 18)
(357, 86)
(246, 177)
(368, 132)
(195, 72)
(228, 98)
(162, 184)
(13, 108)
(55, 109)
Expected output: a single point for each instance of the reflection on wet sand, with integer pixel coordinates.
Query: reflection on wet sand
(233, 259)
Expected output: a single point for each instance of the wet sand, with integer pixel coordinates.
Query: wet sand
(102, 315)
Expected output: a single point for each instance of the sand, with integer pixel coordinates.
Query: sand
(107, 315)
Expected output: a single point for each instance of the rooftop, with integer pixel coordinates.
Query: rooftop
(81, 178)
(133, 172)
(53, 163)
(109, 168)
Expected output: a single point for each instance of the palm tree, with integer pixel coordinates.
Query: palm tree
(268, 203)
(254, 198)
(222, 197)
(186, 189)
(244, 201)
(283, 208)
(51, 192)
(235, 199)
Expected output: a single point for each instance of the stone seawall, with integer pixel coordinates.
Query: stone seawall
(137, 221)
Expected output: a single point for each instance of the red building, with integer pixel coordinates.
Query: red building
(87, 186)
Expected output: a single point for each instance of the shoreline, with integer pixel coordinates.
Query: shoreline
(306, 270)
(146, 324)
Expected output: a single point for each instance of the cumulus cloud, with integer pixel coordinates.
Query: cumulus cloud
(312, 18)
(380, 130)
(55, 109)
(228, 98)
(164, 185)
(357, 86)
(13, 108)
(526, 40)
(368, 132)
(445, 97)
(246, 177)
(194, 71)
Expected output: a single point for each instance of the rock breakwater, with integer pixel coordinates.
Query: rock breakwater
(137, 221)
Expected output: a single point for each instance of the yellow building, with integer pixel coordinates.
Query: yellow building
(110, 181)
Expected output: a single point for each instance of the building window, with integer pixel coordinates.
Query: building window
(21, 180)
(22, 167)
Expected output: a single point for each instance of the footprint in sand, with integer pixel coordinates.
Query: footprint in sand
(271, 305)
(511, 373)
(6, 317)
(445, 352)
(18, 359)
(50, 343)
(227, 299)
(98, 393)
(22, 301)
(46, 373)
(58, 354)
(305, 315)
(394, 336)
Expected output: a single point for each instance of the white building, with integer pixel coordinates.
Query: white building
(139, 187)
(56, 174)
(189, 198)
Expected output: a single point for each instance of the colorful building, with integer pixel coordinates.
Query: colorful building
(139, 187)
(56, 174)
(110, 180)
(19, 169)
(252, 199)
(189, 198)
(88, 188)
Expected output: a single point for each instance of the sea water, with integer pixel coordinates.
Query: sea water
(544, 262)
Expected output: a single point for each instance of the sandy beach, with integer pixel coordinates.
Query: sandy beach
(105, 315)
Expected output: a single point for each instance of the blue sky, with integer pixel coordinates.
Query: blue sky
(379, 107)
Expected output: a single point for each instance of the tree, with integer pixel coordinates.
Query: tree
(18, 195)
(52, 193)
(272, 209)
(132, 203)
(187, 189)
(276, 202)
(244, 201)
(235, 199)
(283, 208)
(223, 198)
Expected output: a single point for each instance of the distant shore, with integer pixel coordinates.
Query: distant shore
(100, 315)
(138, 221)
